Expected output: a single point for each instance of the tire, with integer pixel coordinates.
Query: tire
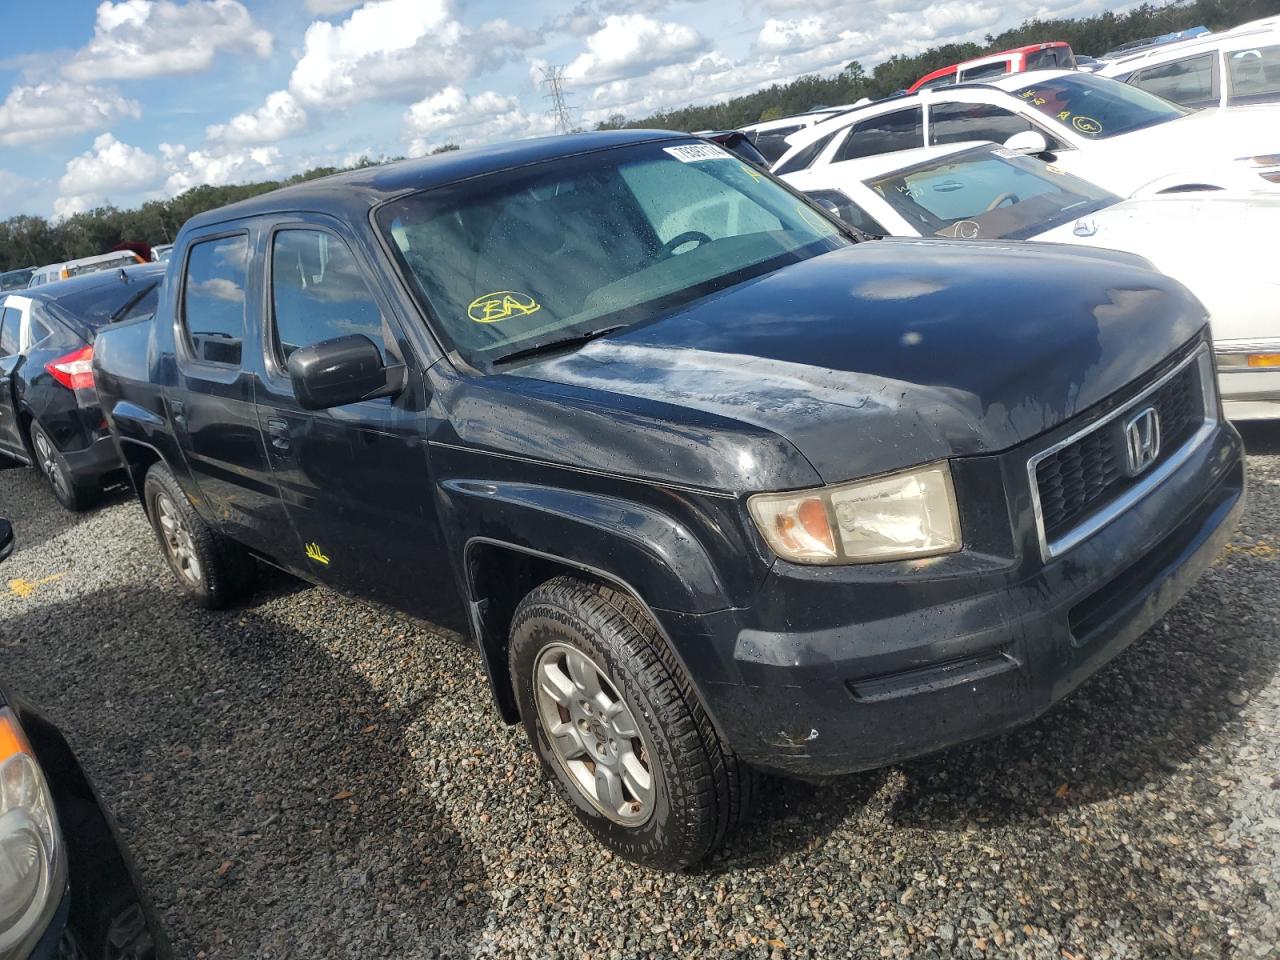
(211, 570)
(74, 494)
(697, 789)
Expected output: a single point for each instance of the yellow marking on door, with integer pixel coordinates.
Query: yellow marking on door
(25, 588)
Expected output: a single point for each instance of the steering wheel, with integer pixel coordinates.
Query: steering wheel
(668, 249)
(1012, 197)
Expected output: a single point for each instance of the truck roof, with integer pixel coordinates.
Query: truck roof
(353, 192)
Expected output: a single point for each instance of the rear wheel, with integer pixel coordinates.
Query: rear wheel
(74, 494)
(618, 728)
(210, 569)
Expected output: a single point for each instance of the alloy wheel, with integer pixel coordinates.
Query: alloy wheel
(177, 541)
(594, 736)
(49, 465)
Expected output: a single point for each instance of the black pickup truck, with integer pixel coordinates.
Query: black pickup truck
(719, 487)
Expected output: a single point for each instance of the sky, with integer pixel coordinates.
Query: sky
(129, 100)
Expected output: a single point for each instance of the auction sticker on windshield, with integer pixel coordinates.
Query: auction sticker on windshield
(694, 152)
(501, 305)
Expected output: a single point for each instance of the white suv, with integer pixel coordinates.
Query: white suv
(1239, 67)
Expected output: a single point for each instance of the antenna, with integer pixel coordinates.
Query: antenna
(553, 80)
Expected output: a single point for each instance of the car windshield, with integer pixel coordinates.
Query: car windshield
(988, 193)
(514, 260)
(1096, 107)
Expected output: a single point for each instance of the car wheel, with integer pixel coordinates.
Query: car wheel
(618, 727)
(75, 495)
(210, 569)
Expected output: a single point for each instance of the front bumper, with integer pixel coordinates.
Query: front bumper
(844, 669)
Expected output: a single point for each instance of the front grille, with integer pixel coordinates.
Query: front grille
(1087, 474)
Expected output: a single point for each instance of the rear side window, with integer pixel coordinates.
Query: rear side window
(773, 143)
(318, 293)
(804, 157)
(1049, 59)
(213, 297)
(10, 323)
(1188, 82)
(900, 130)
(985, 72)
(1255, 75)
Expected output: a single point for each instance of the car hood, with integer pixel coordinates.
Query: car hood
(1221, 247)
(882, 355)
(1208, 146)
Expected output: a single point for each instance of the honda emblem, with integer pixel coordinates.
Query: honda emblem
(1142, 439)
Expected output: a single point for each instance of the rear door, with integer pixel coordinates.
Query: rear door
(212, 409)
(355, 478)
(10, 360)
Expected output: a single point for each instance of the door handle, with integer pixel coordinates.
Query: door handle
(179, 411)
(279, 432)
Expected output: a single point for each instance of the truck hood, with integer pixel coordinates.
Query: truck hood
(887, 354)
(1221, 247)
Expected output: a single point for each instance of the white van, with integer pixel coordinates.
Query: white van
(75, 268)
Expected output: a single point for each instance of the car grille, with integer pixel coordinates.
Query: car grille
(1087, 474)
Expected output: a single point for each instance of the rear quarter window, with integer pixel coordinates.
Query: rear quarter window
(1255, 74)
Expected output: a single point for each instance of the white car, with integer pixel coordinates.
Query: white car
(1125, 139)
(1235, 68)
(54, 272)
(1222, 247)
(770, 136)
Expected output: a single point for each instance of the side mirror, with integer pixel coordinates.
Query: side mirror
(6, 539)
(343, 370)
(1028, 141)
(827, 205)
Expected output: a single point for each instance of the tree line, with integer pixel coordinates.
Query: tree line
(29, 241)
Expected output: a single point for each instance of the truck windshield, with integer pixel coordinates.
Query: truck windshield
(1097, 107)
(988, 193)
(554, 251)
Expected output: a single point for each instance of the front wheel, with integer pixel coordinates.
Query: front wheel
(210, 569)
(618, 728)
(74, 494)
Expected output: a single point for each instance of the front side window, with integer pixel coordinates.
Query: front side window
(1255, 74)
(213, 299)
(521, 259)
(803, 158)
(1188, 82)
(888, 133)
(960, 122)
(1097, 108)
(318, 293)
(1050, 58)
(988, 193)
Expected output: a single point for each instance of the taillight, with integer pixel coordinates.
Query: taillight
(75, 370)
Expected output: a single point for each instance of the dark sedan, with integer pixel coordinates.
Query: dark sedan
(49, 413)
(67, 887)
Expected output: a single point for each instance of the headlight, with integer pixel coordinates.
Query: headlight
(901, 516)
(32, 864)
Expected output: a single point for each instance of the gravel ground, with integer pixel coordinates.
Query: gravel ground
(305, 777)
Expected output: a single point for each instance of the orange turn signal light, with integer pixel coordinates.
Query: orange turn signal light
(1264, 360)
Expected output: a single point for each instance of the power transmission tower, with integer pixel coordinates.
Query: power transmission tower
(553, 80)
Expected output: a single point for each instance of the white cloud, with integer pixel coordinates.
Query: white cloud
(628, 44)
(44, 111)
(15, 190)
(786, 36)
(134, 39)
(110, 168)
(279, 117)
(391, 47)
(191, 168)
(325, 7)
(452, 116)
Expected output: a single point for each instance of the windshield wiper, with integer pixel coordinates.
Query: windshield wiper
(576, 340)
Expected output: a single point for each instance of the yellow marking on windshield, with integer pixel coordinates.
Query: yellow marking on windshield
(315, 553)
(1086, 125)
(500, 305)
